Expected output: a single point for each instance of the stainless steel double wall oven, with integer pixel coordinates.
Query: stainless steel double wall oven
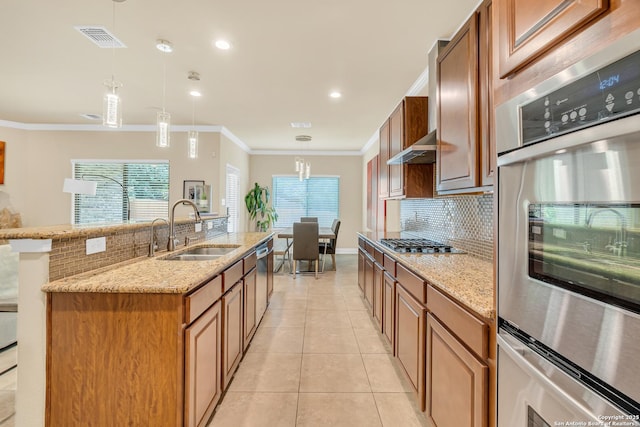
(569, 246)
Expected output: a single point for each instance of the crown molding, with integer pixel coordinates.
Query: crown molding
(304, 153)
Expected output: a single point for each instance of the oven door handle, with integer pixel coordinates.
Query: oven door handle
(522, 356)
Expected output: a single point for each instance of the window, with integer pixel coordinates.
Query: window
(141, 187)
(318, 196)
(233, 188)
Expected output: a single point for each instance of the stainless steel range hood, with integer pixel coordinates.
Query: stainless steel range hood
(423, 151)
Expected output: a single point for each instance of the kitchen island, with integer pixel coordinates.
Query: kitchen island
(103, 335)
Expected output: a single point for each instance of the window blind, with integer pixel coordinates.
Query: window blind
(145, 183)
(318, 196)
(233, 188)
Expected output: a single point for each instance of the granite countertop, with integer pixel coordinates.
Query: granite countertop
(466, 278)
(155, 275)
(70, 230)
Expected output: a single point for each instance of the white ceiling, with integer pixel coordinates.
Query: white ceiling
(286, 56)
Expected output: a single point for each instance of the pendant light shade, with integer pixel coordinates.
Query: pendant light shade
(163, 137)
(193, 144)
(111, 105)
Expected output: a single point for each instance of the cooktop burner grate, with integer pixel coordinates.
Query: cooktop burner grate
(425, 246)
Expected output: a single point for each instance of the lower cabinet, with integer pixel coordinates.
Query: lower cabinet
(457, 381)
(361, 267)
(368, 281)
(388, 309)
(250, 289)
(410, 335)
(378, 278)
(202, 383)
(232, 334)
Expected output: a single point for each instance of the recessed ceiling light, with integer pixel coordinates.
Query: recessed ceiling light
(164, 46)
(90, 116)
(303, 138)
(223, 44)
(195, 93)
(335, 94)
(304, 125)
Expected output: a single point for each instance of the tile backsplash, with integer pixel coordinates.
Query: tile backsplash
(465, 222)
(68, 255)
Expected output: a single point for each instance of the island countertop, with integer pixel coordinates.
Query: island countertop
(156, 275)
(466, 278)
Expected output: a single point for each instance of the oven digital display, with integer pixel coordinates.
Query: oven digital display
(609, 93)
(590, 249)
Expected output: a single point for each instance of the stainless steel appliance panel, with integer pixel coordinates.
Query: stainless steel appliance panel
(532, 392)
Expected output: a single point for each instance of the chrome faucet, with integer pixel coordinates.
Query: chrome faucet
(171, 245)
(620, 244)
(153, 244)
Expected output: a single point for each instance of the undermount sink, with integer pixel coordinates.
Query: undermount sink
(201, 253)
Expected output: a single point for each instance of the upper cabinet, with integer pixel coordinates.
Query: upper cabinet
(530, 28)
(407, 124)
(466, 153)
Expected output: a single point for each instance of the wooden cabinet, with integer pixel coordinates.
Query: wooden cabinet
(529, 29)
(372, 193)
(202, 382)
(407, 124)
(368, 281)
(383, 168)
(457, 381)
(361, 268)
(378, 284)
(232, 334)
(388, 308)
(465, 154)
(250, 307)
(410, 319)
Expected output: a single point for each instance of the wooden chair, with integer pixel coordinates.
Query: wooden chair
(305, 244)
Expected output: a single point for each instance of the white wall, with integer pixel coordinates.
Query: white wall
(37, 162)
(349, 168)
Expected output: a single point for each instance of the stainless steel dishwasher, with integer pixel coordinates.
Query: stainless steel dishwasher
(262, 253)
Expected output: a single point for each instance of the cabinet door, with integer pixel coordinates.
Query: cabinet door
(530, 28)
(457, 382)
(457, 154)
(488, 157)
(368, 281)
(361, 268)
(250, 288)
(388, 308)
(410, 337)
(383, 169)
(232, 332)
(378, 278)
(203, 348)
(396, 145)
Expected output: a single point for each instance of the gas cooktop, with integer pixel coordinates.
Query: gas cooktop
(424, 246)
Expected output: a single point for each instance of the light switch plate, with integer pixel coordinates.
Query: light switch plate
(99, 244)
(198, 226)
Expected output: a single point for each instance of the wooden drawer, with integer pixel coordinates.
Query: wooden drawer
(468, 328)
(412, 283)
(249, 262)
(197, 302)
(389, 265)
(361, 243)
(270, 244)
(378, 256)
(231, 276)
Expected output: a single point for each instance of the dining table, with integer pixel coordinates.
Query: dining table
(325, 234)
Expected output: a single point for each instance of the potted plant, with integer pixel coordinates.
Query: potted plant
(257, 202)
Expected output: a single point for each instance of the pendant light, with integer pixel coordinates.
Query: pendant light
(163, 131)
(192, 136)
(111, 102)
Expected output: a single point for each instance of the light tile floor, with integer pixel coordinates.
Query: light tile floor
(318, 360)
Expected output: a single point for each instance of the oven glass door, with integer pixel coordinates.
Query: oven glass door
(591, 249)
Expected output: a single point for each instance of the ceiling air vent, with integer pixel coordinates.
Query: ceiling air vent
(303, 138)
(100, 36)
